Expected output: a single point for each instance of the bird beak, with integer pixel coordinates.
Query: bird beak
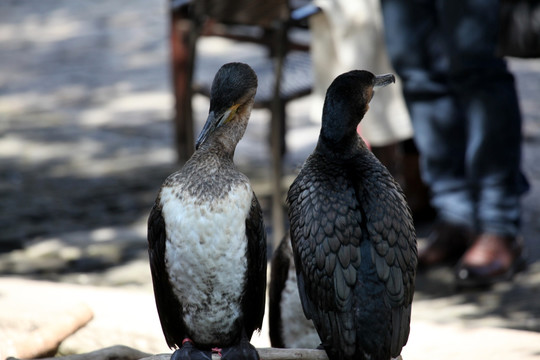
(383, 80)
(213, 122)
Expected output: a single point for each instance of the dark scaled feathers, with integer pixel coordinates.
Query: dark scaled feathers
(280, 268)
(330, 255)
(254, 299)
(352, 235)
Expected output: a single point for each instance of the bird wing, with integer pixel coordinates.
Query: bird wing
(254, 299)
(393, 245)
(169, 308)
(325, 235)
(280, 269)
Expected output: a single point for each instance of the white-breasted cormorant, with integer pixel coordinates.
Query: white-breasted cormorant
(206, 237)
(352, 234)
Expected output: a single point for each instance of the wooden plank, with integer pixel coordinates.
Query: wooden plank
(269, 354)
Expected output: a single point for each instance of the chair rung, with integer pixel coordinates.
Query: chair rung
(297, 78)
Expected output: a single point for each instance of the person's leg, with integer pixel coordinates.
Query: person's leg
(414, 45)
(486, 92)
(416, 50)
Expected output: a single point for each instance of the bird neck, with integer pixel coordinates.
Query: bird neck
(225, 138)
(345, 148)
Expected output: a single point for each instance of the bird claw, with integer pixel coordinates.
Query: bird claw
(242, 351)
(189, 352)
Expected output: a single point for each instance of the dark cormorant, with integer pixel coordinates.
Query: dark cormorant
(206, 237)
(352, 234)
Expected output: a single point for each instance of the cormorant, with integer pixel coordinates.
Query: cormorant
(288, 326)
(352, 234)
(206, 237)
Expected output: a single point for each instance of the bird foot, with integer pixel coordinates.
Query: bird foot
(189, 352)
(242, 351)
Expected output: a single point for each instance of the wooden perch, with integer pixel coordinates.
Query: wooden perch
(269, 354)
(273, 354)
(291, 354)
(120, 352)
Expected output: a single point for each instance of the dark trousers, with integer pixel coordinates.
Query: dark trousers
(464, 108)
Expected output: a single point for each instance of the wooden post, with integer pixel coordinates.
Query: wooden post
(182, 56)
(277, 136)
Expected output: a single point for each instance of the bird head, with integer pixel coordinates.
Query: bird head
(347, 101)
(231, 99)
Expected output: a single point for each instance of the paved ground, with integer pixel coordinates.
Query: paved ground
(86, 139)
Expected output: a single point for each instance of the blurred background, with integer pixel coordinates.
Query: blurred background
(86, 138)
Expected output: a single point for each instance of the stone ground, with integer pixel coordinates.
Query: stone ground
(86, 140)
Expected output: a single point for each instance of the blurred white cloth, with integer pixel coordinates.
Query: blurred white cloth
(348, 35)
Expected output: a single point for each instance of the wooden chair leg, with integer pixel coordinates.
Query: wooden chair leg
(277, 142)
(182, 72)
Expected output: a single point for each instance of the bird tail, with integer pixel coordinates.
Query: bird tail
(339, 336)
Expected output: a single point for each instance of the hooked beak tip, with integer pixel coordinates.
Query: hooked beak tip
(383, 80)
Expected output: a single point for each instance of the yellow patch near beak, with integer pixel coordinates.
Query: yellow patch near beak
(231, 112)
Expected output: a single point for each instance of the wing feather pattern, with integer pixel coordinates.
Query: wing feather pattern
(169, 308)
(280, 269)
(254, 299)
(355, 251)
(326, 253)
(393, 247)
